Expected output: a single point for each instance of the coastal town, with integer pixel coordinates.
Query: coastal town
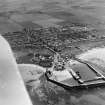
(58, 49)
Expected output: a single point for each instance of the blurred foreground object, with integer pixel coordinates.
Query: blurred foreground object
(12, 89)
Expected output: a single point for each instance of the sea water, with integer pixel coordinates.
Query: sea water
(95, 55)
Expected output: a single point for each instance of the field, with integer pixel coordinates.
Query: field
(69, 27)
(54, 12)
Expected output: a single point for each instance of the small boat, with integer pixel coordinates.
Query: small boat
(77, 75)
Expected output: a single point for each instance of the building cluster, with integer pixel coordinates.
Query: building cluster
(54, 37)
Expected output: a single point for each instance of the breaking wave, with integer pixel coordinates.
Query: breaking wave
(95, 55)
